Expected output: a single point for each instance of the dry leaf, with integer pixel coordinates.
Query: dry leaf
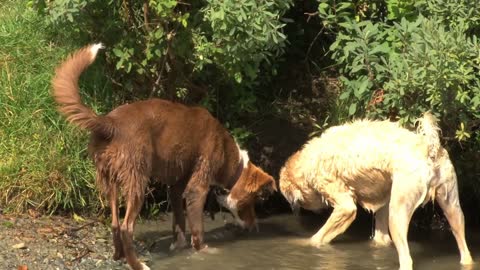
(19, 246)
(78, 218)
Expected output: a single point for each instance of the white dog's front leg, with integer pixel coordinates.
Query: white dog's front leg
(343, 214)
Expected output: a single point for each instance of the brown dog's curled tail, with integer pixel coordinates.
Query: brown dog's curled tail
(66, 93)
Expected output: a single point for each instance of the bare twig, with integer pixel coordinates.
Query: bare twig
(162, 68)
(170, 37)
(145, 16)
(83, 226)
(310, 15)
(307, 54)
(75, 229)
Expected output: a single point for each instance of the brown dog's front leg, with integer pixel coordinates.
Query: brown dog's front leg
(196, 195)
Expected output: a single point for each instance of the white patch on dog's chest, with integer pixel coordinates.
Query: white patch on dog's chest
(231, 204)
(243, 156)
(226, 200)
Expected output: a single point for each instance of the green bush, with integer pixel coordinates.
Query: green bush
(399, 58)
(399, 70)
(208, 52)
(167, 46)
(451, 13)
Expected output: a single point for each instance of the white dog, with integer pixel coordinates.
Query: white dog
(382, 167)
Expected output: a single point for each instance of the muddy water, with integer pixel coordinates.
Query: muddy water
(280, 244)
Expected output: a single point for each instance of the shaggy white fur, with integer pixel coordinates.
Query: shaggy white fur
(381, 167)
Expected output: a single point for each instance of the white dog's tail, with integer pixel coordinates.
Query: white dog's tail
(428, 127)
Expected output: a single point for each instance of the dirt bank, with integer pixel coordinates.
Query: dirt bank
(44, 243)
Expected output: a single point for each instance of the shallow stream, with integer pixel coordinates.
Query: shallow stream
(280, 245)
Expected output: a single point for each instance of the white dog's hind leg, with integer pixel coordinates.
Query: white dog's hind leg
(447, 198)
(406, 196)
(343, 214)
(381, 237)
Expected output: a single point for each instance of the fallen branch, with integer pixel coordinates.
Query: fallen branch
(75, 229)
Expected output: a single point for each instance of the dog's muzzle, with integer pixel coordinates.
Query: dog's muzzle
(265, 193)
(219, 191)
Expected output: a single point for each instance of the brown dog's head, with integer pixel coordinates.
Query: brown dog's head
(253, 183)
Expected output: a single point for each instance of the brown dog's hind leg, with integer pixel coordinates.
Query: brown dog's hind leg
(117, 240)
(178, 224)
(134, 205)
(343, 214)
(195, 196)
(447, 198)
(381, 237)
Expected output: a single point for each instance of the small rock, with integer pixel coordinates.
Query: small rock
(45, 230)
(19, 246)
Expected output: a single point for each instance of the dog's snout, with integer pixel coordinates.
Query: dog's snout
(265, 192)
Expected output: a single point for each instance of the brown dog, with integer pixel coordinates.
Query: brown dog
(183, 147)
(382, 167)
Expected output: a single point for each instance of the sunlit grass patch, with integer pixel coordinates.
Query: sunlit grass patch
(43, 160)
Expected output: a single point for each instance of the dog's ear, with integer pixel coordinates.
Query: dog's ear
(258, 180)
(294, 198)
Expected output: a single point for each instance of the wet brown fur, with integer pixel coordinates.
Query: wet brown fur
(183, 147)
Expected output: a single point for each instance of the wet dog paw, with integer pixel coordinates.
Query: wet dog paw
(145, 267)
(467, 262)
(301, 242)
(178, 245)
(118, 256)
(383, 241)
(209, 250)
(142, 265)
(317, 242)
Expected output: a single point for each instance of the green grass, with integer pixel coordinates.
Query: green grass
(43, 160)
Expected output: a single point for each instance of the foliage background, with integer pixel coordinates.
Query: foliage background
(274, 72)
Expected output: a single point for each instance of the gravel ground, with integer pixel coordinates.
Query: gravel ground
(44, 243)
